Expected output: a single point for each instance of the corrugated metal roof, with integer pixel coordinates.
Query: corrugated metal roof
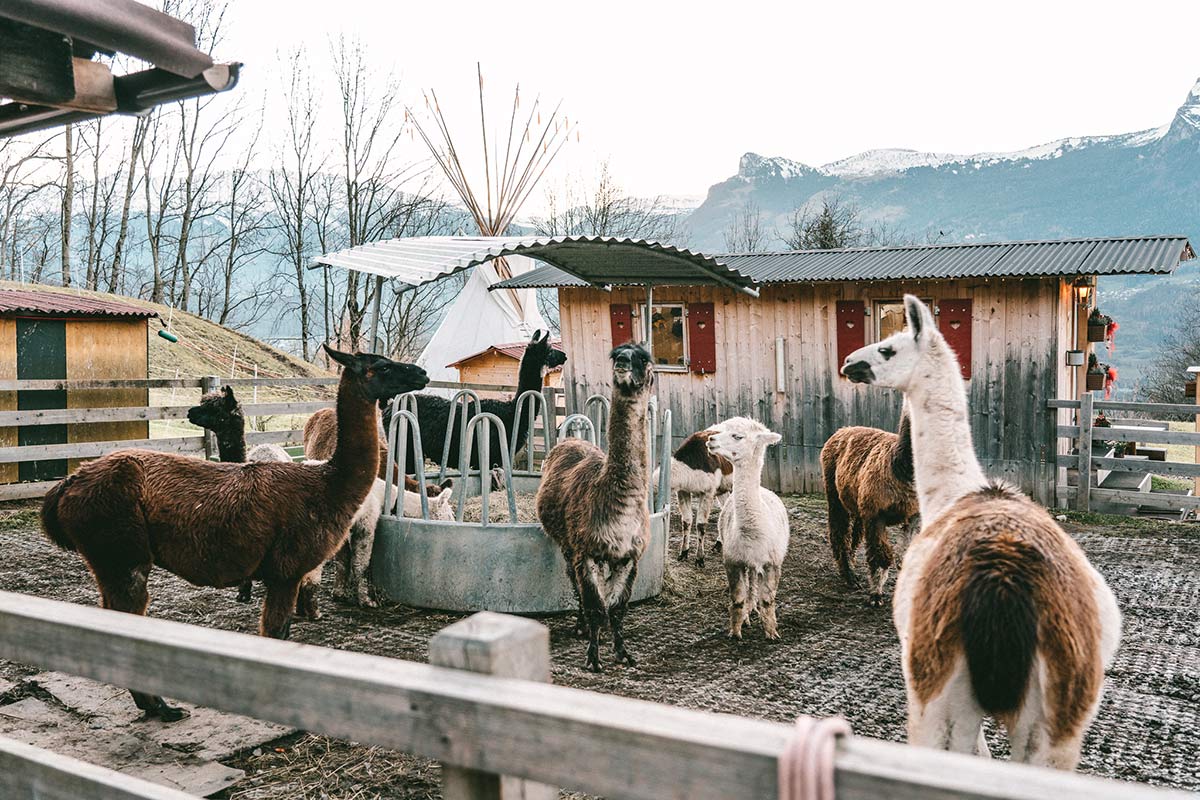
(514, 350)
(28, 301)
(1096, 256)
(595, 260)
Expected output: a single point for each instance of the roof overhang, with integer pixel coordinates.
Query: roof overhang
(594, 260)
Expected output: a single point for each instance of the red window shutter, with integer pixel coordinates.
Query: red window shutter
(622, 323)
(851, 328)
(702, 338)
(954, 321)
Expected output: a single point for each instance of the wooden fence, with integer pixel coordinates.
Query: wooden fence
(201, 444)
(489, 730)
(1084, 494)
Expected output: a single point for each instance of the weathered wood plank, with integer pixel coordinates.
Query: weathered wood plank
(181, 444)
(1180, 468)
(30, 773)
(1145, 408)
(59, 416)
(1166, 502)
(24, 491)
(1083, 496)
(116, 383)
(533, 730)
(1126, 435)
(258, 437)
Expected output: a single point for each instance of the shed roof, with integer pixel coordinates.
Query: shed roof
(1090, 256)
(594, 260)
(515, 350)
(35, 303)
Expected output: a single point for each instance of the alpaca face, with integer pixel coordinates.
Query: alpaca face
(741, 440)
(893, 361)
(632, 370)
(218, 411)
(383, 378)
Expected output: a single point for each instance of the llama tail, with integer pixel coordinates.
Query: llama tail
(999, 629)
(50, 522)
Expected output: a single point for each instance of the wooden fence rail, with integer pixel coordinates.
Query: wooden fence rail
(596, 743)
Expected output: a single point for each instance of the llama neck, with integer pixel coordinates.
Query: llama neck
(529, 379)
(231, 442)
(902, 451)
(944, 462)
(747, 481)
(626, 440)
(356, 456)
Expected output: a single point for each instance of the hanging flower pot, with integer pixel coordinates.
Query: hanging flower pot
(1095, 381)
(1097, 326)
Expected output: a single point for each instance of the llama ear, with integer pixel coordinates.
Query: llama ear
(537, 336)
(770, 437)
(230, 400)
(345, 359)
(916, 314)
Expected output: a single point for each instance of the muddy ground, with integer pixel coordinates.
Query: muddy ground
(837, 655)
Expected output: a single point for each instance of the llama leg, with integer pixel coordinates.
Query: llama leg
(839, 540)
(739, 594)
(342, 573)
(362, 542)
(621, 585)
(306, 599)
(686, 518)
(879, 561)
(591, 599)
(276, 620)
(244, 589)
(706, 501)
(766, 603)
(580, 624)
(950, 720)
(125, 590)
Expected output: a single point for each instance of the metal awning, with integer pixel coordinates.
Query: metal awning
(595, 260)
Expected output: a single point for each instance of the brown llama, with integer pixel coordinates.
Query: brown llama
(997, 609)
(594, 506)
(216, 524)
(868, 486)
(320, 439)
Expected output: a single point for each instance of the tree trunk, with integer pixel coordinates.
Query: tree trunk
(139, 136)
(67, 197)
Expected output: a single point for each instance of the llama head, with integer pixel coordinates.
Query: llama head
(894, 361)
(632, 371)
(381, 377)
(540, 354)
(741, 440)
(218, 411)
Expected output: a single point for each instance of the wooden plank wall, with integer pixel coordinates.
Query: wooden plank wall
(8, 400)
(1015, 344)
(106, 348)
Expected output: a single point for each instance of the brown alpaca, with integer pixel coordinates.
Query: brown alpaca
(219, 524)
(868, 486)
(594, 506)
(320, 439)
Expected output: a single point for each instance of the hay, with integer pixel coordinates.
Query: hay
(498, 508)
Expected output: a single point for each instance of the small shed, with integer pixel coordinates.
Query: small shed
(59, 336)
(500, 364)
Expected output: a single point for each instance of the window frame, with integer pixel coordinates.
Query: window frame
(878, 316)
(645, 325)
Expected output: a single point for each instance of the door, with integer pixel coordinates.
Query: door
(41, 355)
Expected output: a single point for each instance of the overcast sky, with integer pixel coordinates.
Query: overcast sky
(674, 93)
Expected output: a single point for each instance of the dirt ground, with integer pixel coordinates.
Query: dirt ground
(837, 655)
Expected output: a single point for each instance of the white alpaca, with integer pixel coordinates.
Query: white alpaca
(753, 525)
(998, 611)
(268, 451)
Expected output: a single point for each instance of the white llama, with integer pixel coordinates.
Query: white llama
(753, 525)
(998, 610)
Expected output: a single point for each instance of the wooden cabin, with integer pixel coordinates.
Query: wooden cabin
(1011, 310)
(500, 365)
(56, 336)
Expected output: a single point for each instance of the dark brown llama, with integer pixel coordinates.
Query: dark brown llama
(219, 524)
(868, 486)
(320, 439)
(221, 413)
(594, 506)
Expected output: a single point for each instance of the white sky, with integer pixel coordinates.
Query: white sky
(674, 92)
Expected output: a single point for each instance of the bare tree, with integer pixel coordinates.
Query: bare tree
(1163, 380)
(745, 232)
(837, 224)
(137, 141)
(22, 181)
(159, 158)
(606, 210)
(68, 196)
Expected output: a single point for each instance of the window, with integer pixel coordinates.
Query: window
(668, 335)
(889, 317)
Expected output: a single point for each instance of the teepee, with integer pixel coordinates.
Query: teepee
(478, 318)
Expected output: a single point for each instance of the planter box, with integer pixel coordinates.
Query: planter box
(1189, 390)
(1095, 333)
(1075, 358)
(1095, 380)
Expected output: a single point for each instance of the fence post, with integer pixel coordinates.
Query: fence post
(1083, 501)
(207, 385)
(502, 645)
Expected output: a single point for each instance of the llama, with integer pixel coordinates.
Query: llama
(320, 440)
(593, 506)
(868, 486)
(433, 411)
(998, 610)
(218, 524)
(753, 525)
(699, 477)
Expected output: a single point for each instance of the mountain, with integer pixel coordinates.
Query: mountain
(1135, 183)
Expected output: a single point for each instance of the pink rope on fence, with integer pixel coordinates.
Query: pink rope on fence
(806, 763)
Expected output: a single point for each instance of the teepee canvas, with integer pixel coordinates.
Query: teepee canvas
(478, 319)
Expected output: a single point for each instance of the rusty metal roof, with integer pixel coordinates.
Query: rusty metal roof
(515, 350)
(22, 302)
(1092, 256)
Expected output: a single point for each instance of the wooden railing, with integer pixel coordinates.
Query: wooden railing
(201, 444)
(1085, 432)
(510, 722)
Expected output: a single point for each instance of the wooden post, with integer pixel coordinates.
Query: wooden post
(1083, 494)
(502, 645)
(207, 385)
(1194, 372)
